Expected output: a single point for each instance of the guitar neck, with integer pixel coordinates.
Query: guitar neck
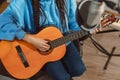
(67, 38)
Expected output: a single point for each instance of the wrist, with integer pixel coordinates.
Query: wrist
(28, 38)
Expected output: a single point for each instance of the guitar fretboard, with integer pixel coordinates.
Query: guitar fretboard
(69, 37)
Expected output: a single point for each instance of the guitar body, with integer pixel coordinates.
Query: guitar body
(35, 59)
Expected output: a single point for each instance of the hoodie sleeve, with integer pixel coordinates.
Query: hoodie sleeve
(10, 20)
(72, 16)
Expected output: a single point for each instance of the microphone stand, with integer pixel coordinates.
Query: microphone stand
(81, 21)
(103, 50)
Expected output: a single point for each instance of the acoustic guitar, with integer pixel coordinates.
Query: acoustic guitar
(22, 60)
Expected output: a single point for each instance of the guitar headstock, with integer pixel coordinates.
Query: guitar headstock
(107, 20)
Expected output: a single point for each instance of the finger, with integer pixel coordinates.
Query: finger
(45, 41)
(46, 45)
(43, 49)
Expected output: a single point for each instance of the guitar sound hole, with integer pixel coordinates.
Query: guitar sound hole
(45, 52)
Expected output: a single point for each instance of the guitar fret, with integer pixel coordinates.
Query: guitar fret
(117, 19)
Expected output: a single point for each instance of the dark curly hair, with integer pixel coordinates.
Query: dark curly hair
(37, 11)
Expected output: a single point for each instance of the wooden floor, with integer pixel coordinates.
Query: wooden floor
(95, 60)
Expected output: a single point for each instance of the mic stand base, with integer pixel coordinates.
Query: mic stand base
(104, 51)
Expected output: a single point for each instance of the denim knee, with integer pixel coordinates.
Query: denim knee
(64, 77)
(78, 72)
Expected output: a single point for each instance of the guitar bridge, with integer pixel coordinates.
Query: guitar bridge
(22, 56)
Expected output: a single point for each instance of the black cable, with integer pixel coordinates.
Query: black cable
(98, 46)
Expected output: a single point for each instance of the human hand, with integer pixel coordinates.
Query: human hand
(40, 44)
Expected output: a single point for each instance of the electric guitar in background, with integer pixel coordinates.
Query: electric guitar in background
(111, 19)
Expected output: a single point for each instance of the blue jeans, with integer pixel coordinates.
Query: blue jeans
(69, 66)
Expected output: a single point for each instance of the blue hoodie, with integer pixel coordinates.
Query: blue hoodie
(18, 16)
